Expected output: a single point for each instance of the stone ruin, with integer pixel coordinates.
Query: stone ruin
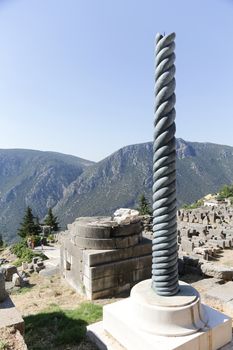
(202, 234)
(105, 256)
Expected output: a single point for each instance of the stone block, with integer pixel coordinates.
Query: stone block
(17, 280)
(98, 257)
(113, 243)
(9, 272)
(187, 245)
(222, 293)
(9, 316)
(117, 268)
(110, 292)
(217, 271)
(116, 279)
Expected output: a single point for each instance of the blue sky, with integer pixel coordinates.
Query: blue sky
(77, 76)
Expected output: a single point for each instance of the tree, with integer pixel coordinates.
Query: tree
(144, 207)
(51, 220)
(29, 226)
(225, 192)
(1, 241)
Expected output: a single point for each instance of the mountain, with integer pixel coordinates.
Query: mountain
(77, 187)
(117, 181)
(121, 178)
(36, 179)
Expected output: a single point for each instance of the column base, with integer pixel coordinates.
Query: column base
(137, 323)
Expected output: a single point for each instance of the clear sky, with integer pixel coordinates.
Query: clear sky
(77, 76)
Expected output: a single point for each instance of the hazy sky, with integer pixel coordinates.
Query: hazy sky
(77, 76)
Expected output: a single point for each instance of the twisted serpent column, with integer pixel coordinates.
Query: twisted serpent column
(164, 249)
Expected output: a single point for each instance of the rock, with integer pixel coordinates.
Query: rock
(9, 272)
(40, 263)
(34, 260)
(24, 266)
(125, 215)
(49, 271)
(16, 280)
(3, 261)
(217, 271)
(3, 293)
(39, 268)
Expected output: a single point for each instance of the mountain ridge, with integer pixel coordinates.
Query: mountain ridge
(77, 187)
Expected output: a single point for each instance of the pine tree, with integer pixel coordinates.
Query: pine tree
(144, 207)
(51, 220)
(28, 227)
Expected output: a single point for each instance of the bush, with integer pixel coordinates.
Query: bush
(195, 205)
(51, 238)
(23, 253)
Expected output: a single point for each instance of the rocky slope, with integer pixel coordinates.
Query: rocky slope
(34, 178)
(121, 178)
(76, 187)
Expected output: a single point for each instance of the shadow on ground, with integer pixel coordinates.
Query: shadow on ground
(54, 327)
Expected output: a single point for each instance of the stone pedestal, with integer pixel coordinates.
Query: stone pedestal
(147, 321)
(101, 258)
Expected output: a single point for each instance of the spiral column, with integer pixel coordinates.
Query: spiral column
(164, 248)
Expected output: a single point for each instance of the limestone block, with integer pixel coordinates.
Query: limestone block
(98, 257)
(24, 266)
(17, 281)
(9, 316)
(110, 292)
(117, 267)
(221, 294)
(117, 279)
(113, 243)
(187, 245)
(217, 271)
(9, 271)
(228, 243)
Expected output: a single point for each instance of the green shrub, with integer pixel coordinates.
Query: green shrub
(23, 253)
(195, 205)
(19, 247)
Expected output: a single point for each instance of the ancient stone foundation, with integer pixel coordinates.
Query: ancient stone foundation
(105, 256)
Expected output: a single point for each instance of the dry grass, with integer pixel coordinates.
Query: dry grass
(10, 339)
(43, 293)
